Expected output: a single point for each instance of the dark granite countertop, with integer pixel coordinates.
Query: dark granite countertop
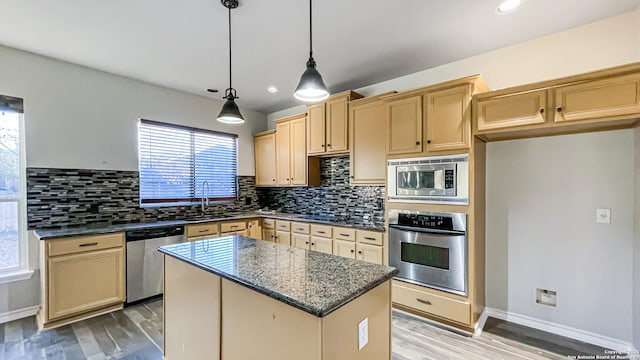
(315, 282)
(93, 230)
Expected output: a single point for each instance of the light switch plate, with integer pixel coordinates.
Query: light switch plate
(363, 333)
(603, 216)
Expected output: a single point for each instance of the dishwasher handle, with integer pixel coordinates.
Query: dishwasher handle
(144, 234)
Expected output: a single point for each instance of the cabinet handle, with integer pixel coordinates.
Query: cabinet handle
(559, 109)
(313, 244)
(320, 232)
(234, 226)
(359, 251)
(328, 145)
(352, 251)
(351, 176)
(423, 301)
(428, 141)
(370, 238)
(274, 180)
(322, 145)
(541, 110)
(203, 231)
(341, 234)
(88, 244)
(299, 229)
(306, 242)
(417, 142)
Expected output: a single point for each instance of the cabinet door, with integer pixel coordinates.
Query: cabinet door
(405, 126)
(298, 151)
(369, 253)
(336, 122)
(613, 97)
(283, 154)
(448, 119)
(316, 142)
(269, 235)
(253, 227)
(344, 248)
(283, 237)
(300, 241)
(265, 158)
(84, 282)
(511, 111)
(322, 245)
(368, 133)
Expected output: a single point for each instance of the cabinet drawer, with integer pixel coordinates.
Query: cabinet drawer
(268, 223)
(84, 243)
(300, 228)
(233, 226)
(321, 230)
(369, 237)
(451, 309)
(283, 225)
(202, 229)
(344, 234)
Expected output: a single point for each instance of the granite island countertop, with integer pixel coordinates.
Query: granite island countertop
(46, 234)
(314, 282)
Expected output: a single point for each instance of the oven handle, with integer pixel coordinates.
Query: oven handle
(428, 231)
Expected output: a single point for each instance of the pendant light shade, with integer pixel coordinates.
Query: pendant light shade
(230, 113)
(311, 87)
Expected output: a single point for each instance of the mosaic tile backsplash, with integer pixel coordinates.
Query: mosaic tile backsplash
(60, 198)
(334, 198)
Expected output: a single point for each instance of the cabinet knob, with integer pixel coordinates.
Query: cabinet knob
(353, 251)
(360, 252)
(322, 145)
(559, 108)
(274, 180)
(313, 244)
(306, 242)
(417, 142)
(328, 145)
(351, 176)
(428, 141)
(541, 110)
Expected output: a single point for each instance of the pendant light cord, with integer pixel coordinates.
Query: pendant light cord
(230, 84)
(310, 30)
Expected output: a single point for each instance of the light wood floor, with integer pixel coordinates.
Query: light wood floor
(136, 333)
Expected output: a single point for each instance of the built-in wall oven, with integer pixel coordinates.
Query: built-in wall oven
(429, 248)
(436, 179)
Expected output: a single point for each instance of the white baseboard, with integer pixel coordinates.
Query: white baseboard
(558, 329)
(18, 314)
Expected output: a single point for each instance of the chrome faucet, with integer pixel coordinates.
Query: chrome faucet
(204, 200)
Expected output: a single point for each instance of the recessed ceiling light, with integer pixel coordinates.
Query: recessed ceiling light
(272, 89)
(508, 6)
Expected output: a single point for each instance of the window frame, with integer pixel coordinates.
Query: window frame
(170, 202)
(22, 271)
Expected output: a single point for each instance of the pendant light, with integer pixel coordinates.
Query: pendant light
(311, 87)
(230, 114)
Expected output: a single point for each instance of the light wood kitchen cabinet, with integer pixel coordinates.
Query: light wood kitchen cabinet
(269, 235)
(448, 118)
(358, 244)
(82, 277)
(344, 248)
(611, 97)
(265, 158)
(232, 226)
(368, 135)
(301, 241)
(194, 231)
(320, 244)
(327, 132)
(370, 253)
(254, 229)
(283, 237)
(430, 301)
(502, 112)
(405, 126)
(292, 165)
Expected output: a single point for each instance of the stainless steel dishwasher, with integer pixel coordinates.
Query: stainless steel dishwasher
(144, 262)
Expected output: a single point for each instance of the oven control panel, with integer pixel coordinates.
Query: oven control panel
(426, 221)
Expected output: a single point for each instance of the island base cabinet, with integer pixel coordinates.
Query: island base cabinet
(191, 323)
(277, 331)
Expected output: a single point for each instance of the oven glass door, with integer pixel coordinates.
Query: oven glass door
(425, 180)
(433, 259)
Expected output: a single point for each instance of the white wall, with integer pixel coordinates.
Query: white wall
(77, 117)
(636, 256)
(610, 42)
(542, 196)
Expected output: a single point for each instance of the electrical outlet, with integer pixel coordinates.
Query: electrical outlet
(363, 333)
(603, 216)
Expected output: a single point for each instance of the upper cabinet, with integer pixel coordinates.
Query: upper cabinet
(431, 119)
(293, 168)
(327, 130)
(367, 136)
(265, 158)
(601, 100)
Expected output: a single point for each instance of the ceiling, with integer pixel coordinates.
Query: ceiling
(183, 44)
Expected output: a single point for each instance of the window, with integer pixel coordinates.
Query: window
(12, 204)
(177, 163)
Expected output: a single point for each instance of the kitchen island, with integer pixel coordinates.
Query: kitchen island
(239, 298)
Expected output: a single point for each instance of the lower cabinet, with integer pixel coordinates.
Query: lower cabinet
(268, 235)
(82, 277)
(344, 248)
(358, 244)
(283, 237)
(432, 302)
(369, 253)
(322, 245)
(254, 229)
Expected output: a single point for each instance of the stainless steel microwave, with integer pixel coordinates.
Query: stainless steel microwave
(437, 179)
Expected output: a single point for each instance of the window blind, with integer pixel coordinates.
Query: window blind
(175, 161)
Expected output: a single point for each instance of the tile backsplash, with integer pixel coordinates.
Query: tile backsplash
(59, 198)
(334, 198)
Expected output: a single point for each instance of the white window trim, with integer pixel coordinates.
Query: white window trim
(22, 272)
